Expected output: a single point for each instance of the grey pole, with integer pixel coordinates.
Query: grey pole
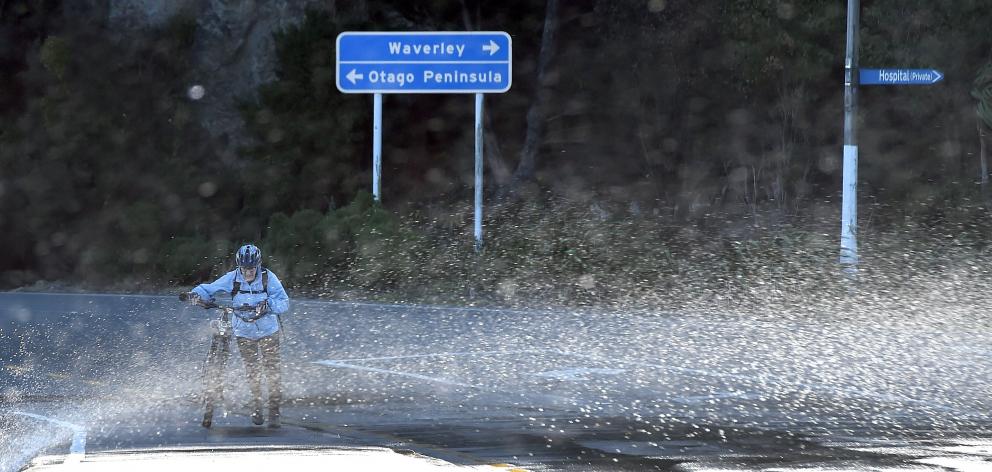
(478, 172)
(849, 198)
(376, 146)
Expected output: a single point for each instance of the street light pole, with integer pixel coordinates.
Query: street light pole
(849, 197)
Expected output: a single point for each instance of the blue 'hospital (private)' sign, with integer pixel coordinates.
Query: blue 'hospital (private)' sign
(424, 62)
(900, 76)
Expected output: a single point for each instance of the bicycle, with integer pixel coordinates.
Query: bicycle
(220, 350)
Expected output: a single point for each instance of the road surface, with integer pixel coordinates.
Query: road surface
(100, 380)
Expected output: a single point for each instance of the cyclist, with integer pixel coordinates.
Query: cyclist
(258, 336)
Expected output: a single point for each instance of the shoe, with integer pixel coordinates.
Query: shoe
(274, 421)
(208, 417)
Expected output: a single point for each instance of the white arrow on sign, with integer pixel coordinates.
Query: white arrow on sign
(353, 76)
(492, 47)
(936, 79)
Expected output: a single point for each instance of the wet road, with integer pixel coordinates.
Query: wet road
(541, 390)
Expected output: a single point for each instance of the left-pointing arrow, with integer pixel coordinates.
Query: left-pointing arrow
(354, 75)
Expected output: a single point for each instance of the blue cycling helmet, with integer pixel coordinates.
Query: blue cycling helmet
(249, 256)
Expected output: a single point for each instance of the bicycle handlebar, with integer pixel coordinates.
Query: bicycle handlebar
(230, 309)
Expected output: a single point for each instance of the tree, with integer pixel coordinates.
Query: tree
(983, 109)
(105, 163)
(302, 126)
(493, 151)
(535, 114)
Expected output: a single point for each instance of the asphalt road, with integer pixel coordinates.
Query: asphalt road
(85, 378)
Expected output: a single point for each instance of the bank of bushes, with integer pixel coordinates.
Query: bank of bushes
(560, 253)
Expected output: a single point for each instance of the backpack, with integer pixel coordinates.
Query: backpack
(236, 288)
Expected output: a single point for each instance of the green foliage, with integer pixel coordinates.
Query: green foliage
(384, 252)
(302, 126)
(558, 252)
(688, 110)
(179, 33)
(98, 154)
(55, 55)
(360, 243)
(778, 42)
(294, 245)
(190, 259)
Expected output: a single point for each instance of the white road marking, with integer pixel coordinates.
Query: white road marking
(78, 447)
(343, 365)
(569, 375)
(439, 354)
(695, 399)
(258, 458)
(577, 373)
(809, 386)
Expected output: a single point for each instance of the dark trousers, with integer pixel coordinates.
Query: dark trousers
(258, 355)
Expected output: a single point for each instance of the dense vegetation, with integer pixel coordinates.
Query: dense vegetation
(685, 146)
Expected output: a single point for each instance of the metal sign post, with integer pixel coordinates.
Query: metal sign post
(849, 195)
(478, 172)
(376, 145)
(475, 62)
(852, 78)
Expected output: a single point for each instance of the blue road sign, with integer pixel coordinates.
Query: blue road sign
(424, 62)
(900, 76)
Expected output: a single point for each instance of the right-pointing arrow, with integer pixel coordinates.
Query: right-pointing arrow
(938, 77)
(353, 75)
(492, 47)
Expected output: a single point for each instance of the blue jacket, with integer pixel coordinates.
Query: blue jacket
(252, 294)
